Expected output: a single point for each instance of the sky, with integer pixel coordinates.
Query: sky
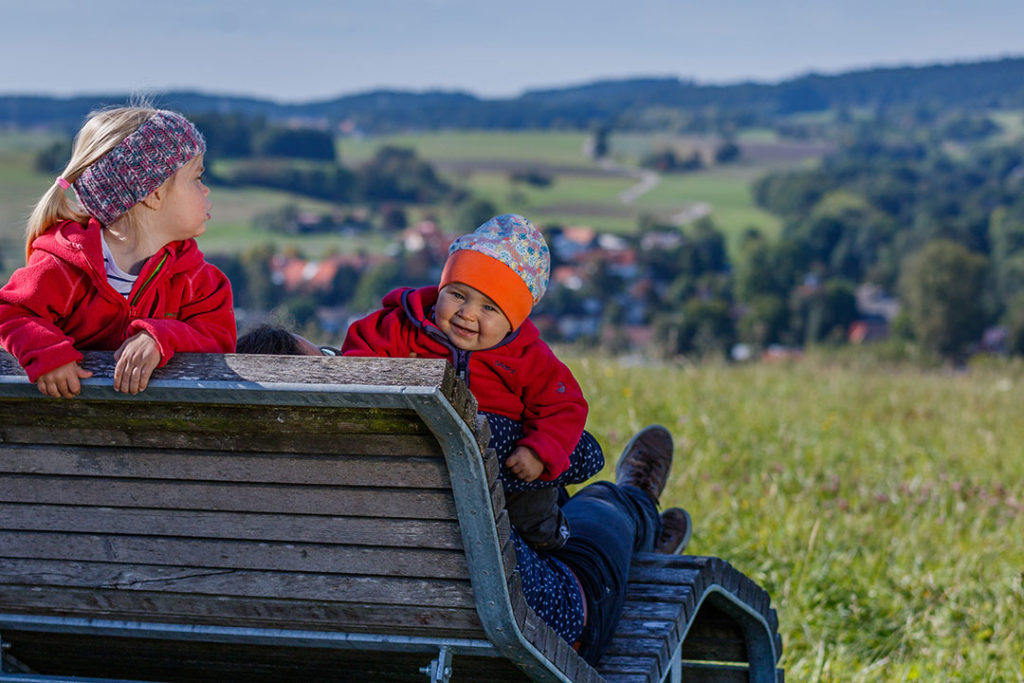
(302, 50)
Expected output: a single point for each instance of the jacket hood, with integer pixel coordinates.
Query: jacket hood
(418, 305)
(80, 244)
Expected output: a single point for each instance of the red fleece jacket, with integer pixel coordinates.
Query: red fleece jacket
(519, 378)
(61, 303)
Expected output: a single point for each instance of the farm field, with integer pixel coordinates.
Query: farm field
(20, 187)
(559, 148)
(882, 507)
(584, 193)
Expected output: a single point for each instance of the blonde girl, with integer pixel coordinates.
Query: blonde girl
(120, 270)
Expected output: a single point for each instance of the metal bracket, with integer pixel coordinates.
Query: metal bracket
(440, 669)
(8, 664)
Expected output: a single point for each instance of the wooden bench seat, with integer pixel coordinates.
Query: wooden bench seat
(291, 518)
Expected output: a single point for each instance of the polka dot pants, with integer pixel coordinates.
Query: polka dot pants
(586, 460)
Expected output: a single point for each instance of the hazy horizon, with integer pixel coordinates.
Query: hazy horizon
(315, 49)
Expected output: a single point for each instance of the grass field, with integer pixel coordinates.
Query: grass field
(881, 507)
(563, 148)
(578, 196)
(20, 188)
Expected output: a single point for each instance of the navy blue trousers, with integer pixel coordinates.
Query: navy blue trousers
(609, 524)
(586, 460)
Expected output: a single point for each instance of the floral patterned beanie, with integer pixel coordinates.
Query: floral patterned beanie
(507, 259)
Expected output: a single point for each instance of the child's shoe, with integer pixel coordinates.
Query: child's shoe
(646, 461)
(676, 528)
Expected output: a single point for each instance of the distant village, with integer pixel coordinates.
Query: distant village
(573, 310)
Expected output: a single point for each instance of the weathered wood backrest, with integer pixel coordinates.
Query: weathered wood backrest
(256, 497)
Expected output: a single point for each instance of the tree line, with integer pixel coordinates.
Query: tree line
(639, 103)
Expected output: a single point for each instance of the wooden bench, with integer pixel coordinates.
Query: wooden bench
(260, 518)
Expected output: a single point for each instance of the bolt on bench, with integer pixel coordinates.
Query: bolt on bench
(267, 518)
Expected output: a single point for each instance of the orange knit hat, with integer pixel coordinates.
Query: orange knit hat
(507, 259)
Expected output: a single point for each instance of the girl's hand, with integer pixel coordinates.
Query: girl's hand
(525, 464)
(63, 382)
(136, 360)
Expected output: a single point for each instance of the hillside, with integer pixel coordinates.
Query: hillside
(984, 84)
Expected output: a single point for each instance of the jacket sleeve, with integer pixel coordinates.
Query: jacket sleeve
(31, 303)
(205, 322)
(555, 411)
(379, 334)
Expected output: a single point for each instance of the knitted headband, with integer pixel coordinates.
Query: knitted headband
(139, 164)
(507, 259)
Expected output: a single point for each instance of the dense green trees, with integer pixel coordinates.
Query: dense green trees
(942, 287)
(296, 143)
(398, 174)
(883, 205)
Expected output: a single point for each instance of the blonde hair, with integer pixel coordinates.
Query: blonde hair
(103, 131)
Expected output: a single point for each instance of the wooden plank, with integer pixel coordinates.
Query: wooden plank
(296, 468)
(482, 432)
(508, 553)
(283, 442)
(201, 426)
(371, 531)
(651, 645)
(650, 610)
(256, 612)
(612, 677)
(644, 627)
(325, 500)
(490, 466)
(638, 664)
(669, 576)
(497, 498)
(269, 369)
(238, 418)
(224, 554)
(714, 673)
(329, 371)
(645, 592)
(239, 583)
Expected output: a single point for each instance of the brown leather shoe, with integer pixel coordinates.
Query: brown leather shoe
(676, 527)
(646, 461)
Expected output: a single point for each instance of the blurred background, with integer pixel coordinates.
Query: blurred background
(731, 180)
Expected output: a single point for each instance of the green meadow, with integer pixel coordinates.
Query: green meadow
(581, 193)
(542, 147)
(20, 187)
(882, 507)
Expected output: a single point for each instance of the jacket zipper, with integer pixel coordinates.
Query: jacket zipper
(149, 279)
(460, 359)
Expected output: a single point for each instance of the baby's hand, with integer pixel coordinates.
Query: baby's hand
(136, 360)
(525, 464)
(63, 382)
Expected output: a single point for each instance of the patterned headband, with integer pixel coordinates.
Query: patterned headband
(138, 165)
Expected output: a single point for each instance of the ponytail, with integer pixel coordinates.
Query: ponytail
(53, 207)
